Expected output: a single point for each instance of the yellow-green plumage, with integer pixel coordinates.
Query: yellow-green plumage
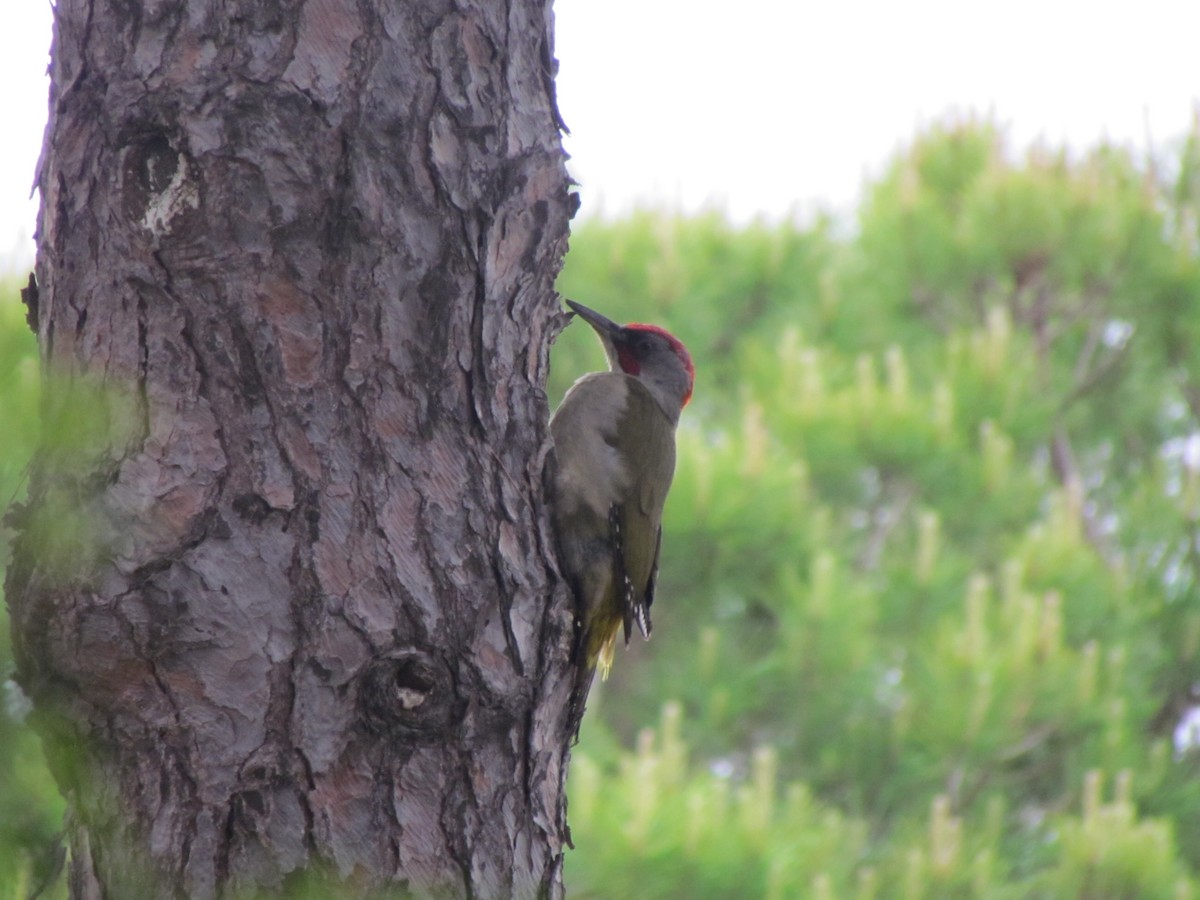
(616, 456)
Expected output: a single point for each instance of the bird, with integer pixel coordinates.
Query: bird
(614, 441)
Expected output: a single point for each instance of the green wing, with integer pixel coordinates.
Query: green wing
(650, 452)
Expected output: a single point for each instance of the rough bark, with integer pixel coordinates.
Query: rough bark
(298, 611)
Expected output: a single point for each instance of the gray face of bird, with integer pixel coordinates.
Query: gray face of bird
(662, 368)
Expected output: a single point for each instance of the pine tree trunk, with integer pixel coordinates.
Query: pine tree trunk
(293, 607)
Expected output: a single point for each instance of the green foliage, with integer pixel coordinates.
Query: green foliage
(930, 574)
(30, 806)
(18, 390)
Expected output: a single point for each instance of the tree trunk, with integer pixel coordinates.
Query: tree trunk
(293, 607)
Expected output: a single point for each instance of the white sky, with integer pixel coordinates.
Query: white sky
(773, 106)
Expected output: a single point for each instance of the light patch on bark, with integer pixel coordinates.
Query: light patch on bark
(180, 194)
(409, 698)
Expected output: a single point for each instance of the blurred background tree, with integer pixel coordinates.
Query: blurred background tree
(929, 615)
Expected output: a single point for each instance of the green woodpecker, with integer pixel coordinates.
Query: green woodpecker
(614, 436)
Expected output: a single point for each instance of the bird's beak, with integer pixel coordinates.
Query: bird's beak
(606, 328)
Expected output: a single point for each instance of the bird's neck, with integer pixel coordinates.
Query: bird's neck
(665, 395)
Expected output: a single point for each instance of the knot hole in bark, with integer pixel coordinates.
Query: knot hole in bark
(158, 184)
(408, 691)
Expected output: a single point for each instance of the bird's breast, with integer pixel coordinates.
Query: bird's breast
(591, 470)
